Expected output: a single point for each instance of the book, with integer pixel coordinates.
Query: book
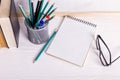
(3, 43)
(9, 23)
(72, 41)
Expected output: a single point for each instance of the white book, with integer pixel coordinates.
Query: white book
(72, 41)
(8, 32)
(9, 23)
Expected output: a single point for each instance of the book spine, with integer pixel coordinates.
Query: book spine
(14, 22)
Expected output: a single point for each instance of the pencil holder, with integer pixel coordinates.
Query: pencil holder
(38, 36)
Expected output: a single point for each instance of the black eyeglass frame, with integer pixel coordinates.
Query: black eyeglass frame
(101, 55)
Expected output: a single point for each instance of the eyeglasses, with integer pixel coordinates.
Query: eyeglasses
(105, 58)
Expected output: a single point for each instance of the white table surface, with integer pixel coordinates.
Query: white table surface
(78, 5)
(17, 63)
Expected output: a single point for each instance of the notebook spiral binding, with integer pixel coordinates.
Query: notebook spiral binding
(83, 21)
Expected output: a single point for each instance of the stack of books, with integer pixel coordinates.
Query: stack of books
(9, 26)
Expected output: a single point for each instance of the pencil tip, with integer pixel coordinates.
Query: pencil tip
(53, 4)
(34, 61)
(55, 8)
(19, 4)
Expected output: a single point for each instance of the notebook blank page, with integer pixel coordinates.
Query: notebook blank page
(72, 41)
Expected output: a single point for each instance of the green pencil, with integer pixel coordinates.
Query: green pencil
(31, 11)
(45, 6)
(40, 9)
(25, 16)
(41, 13)
(49, 19)
(46, 44)
(48, 11)
(51, 12)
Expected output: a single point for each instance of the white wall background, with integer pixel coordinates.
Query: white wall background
(80, 5)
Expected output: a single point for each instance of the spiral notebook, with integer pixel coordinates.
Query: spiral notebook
(72, 41)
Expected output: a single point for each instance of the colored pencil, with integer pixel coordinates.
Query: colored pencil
(48, 11)
(31, 7)
(46, 44)
(25, 16)
(49, 19)
(40, 14)
(37, 10)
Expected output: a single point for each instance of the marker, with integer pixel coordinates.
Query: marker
(42, 22)
(40, 25)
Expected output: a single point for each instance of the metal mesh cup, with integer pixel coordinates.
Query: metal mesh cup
(38, 36)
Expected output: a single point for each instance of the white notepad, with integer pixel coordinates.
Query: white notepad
(72, 41)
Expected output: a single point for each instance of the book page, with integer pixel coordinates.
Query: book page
(8, 31)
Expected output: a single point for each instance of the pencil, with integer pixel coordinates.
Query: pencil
(48, 11)
(40, 14)
(46, 44)
(49, 19)
(23, 11)
(40, 9)
(37, 10)
(45, 6)
(31, 7)
(32, 14)
(25, 16)
(51, 12)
